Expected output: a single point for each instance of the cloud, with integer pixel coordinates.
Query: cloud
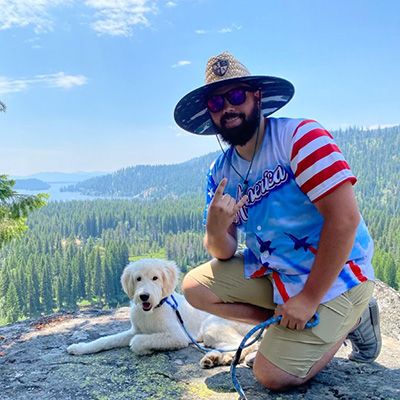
(62, 80)
(225, 30)
(33, 41)
(111, 17)
(118, 17)
(179, 132)
(171, 4)
(13, 85)
(58, 80)
(181, 64)
(18, 14)
(219, 31)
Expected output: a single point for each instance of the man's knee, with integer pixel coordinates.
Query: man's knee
(198, 295)
(189, 286)
(272, 377)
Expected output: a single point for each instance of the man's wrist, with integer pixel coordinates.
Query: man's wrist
(311, 296)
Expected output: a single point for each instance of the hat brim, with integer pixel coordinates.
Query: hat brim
(192, 115)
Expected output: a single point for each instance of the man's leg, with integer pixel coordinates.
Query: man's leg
(203, 298)
(199, 296)
(288, 358)
(276, 379)
(220, 288)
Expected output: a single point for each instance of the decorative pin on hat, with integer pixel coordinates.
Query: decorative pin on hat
(191, 112)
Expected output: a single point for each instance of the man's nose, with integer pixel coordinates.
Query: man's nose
(228, 107)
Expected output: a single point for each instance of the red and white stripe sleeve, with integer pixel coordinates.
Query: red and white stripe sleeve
(317, 162)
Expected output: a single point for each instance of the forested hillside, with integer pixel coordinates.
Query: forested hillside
(31, 184)
(150, 181)
(374, 157)
(74, 252)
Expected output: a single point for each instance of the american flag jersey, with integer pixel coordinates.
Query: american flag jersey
(297, 164)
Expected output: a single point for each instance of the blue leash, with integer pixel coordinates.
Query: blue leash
(174, 306)
(242, 345)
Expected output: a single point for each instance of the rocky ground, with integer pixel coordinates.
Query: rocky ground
(34, 365)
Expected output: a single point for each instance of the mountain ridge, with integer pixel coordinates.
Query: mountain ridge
(361, 148)
(150, 181)
(55, 177)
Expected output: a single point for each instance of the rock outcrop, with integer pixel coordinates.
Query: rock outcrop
(34, 364)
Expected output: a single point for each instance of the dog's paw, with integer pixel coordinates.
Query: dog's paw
(77, 348)
(211, 359)
(139, 344)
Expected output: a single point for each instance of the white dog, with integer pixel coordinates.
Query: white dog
(155, 326)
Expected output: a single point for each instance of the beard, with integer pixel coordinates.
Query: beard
(241, 134)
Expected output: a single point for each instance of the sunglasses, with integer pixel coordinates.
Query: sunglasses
(236, 97)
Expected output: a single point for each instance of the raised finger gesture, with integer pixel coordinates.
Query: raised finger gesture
(222, 210)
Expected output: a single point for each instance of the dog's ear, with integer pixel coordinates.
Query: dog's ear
(170, 277)
(128, 284)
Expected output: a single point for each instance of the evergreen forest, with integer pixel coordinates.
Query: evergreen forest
(73, 253)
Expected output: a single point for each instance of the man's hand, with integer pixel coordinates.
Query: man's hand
(222, 211)
(296, 312)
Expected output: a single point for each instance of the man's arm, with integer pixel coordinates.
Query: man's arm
(341, 219)
(221, 234)
(222, 246)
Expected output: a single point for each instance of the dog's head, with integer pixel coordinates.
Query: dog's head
(149, 280)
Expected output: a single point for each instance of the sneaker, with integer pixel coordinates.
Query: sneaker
(366, 337)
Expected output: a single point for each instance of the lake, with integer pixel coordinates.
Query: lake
(56, 195)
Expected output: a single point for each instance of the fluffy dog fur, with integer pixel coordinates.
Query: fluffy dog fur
(156, 328)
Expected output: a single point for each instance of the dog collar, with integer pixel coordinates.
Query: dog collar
(161, 302)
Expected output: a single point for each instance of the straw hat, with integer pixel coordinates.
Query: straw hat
(191, 112)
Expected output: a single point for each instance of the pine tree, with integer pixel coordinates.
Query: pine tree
(109, 292)
(389, 272)
(46, 289)
(59, 293)
(70, 291)
(14, 208)
(98, 278)
(4, 279)
(378, 262)
(13, 312)
(79, 262)
(32, 289)
(398, 278)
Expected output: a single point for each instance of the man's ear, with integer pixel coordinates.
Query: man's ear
(128, 284)
(258, 96)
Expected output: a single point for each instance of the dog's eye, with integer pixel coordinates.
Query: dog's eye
(138, 278)
(155, 278)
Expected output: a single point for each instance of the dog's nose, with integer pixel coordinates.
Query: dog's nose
(144, 296)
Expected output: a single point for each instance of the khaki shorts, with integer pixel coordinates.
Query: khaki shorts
(290, 350)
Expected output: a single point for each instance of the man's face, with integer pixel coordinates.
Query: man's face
(237, 124)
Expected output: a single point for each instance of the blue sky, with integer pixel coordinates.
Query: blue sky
(91, 85)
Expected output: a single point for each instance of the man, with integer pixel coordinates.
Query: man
(285, 184)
